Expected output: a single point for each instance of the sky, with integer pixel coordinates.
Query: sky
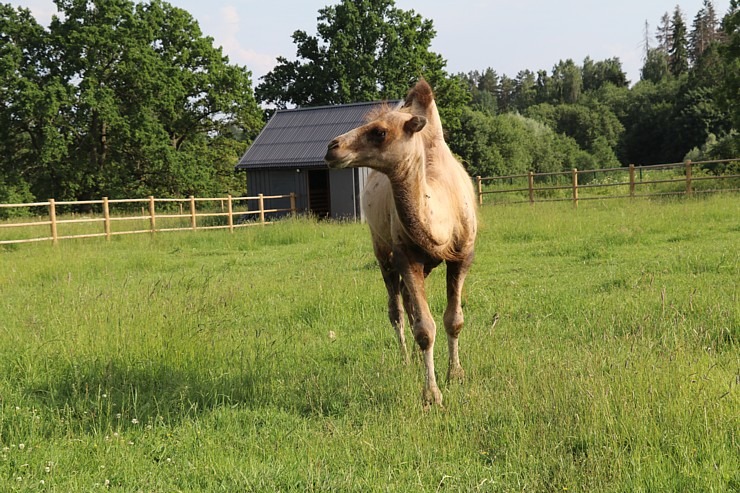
(505, 35)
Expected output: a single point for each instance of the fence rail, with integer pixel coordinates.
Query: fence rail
(150, 219)
(569, 181)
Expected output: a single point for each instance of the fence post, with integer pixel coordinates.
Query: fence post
(152, 215)
(230, 210)
(479, 180)
(106, 218)
(575, 187)
(193, 222)
(688, 177)
(53, 221)
(292, 204)
(632, 180)
(530, 181)
(261, 199)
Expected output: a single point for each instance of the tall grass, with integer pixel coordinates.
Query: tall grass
(263, 360)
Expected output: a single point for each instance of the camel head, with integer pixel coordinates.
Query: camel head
(389, 139)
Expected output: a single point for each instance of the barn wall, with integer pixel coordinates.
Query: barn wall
(345, 187)
(278, 182)
(342, 189)
(360, 180)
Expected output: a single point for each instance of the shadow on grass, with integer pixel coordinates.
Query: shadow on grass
(95, 396)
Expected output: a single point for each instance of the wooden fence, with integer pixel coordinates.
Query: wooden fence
(565, 186)
(185, 210)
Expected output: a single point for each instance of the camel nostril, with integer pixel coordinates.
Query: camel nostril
(333, 144)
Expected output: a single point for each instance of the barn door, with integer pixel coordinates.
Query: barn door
(318, 193)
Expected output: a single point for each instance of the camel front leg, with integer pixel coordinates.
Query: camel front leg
(453, 317)
(424, 328)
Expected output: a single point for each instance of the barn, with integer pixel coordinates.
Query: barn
(288, 156)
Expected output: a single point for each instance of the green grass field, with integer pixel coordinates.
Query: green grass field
(203, 361)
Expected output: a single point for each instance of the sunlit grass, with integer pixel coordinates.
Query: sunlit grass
(203, 361)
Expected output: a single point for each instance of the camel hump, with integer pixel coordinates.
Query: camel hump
(421, 93)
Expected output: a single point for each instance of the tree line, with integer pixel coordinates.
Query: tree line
(116, 98)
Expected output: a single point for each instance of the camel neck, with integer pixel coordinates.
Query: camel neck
(411, 197)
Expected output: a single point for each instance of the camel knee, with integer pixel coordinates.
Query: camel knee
(424, 332)
(453, 320)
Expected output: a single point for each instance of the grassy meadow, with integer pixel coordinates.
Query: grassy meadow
(601, 346)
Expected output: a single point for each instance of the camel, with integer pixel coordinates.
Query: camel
(420, 205)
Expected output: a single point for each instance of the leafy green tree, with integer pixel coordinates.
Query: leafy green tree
(595, 127)
(728, 88)
(649, 136)
(364, 50)
(483, 87)
(495, 145)
(544, 87)
(525, 94)
(506, 94)
(32, 100)
(655, 68)
(118, 98)
(596, 74)
(567, 81)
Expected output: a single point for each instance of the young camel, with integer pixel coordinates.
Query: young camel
(420, 205)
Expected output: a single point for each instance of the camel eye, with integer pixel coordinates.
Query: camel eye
(377, 135)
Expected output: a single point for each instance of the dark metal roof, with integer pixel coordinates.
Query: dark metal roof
(298, 137)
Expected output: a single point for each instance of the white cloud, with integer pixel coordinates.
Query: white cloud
(228, 35)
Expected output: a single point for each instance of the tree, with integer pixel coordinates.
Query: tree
(32, 101)
(596, 74)
(505, 94)
(704, 31)
(543, 87)
(678, 48)
(655, 68)
(118, 98)
(567, 81)
(593, 127)
(365, 50)
(664, 34)
(483, 87)
(525, 94)
(728, 89)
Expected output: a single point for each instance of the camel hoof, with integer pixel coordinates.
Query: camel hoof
(430, 397)
(456, 374)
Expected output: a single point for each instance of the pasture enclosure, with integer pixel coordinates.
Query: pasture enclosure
(219, 213)
(685, 178)
(600, 348)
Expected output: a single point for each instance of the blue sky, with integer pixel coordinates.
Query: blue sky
(506, 35)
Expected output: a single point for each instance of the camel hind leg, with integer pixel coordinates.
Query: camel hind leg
(453, 317)
(396, 302)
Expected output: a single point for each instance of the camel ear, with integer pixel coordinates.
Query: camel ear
(415, 124)
(421, 94)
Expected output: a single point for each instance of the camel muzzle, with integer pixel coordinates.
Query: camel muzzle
(332, 158)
